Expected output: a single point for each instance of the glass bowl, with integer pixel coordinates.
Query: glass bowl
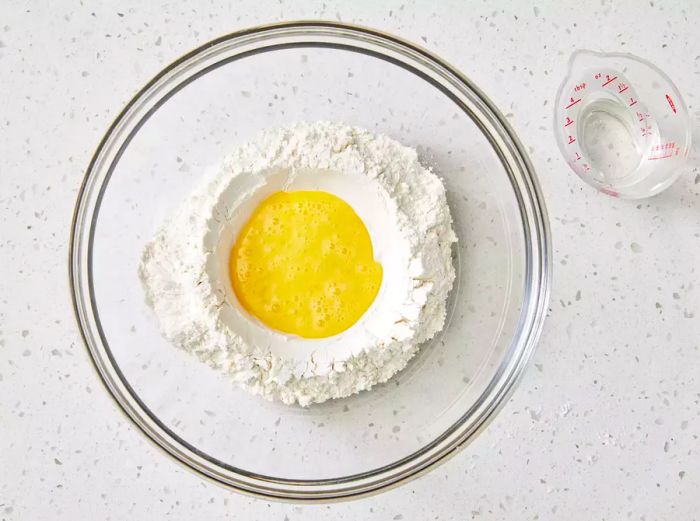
(180, 126)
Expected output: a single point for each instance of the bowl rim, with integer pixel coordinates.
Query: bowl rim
(537, 280)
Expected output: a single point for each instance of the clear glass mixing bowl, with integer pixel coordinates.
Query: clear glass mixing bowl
(180, 126)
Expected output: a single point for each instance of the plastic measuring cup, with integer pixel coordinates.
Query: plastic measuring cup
(621, 124)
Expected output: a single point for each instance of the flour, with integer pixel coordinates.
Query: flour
(184, 269)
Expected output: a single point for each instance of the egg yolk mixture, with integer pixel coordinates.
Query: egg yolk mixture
(303, 264)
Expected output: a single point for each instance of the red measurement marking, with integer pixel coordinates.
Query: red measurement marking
(670, 102)
(610, 80)
(586, 168)
(578, 156)
(641, 116)
(598, 76)
(571, 139)
(580, 86)
(572, 102)
(569, 121)
(646, 131)
(633, 102)
(621, 87)
(609, 192)
(659, 157)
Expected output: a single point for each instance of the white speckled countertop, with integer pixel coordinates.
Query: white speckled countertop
(606, 423)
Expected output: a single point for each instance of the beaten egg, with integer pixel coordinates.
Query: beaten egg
(304, 264)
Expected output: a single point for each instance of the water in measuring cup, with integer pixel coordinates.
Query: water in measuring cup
(609, 140)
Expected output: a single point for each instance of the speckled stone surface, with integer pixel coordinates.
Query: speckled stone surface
(606, 423)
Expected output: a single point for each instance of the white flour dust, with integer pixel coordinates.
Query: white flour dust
(184, 268)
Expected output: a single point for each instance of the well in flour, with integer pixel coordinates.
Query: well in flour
(184, 268)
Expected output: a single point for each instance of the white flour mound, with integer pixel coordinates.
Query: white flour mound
(184, 268)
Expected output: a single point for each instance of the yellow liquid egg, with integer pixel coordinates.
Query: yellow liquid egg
(303, 264)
